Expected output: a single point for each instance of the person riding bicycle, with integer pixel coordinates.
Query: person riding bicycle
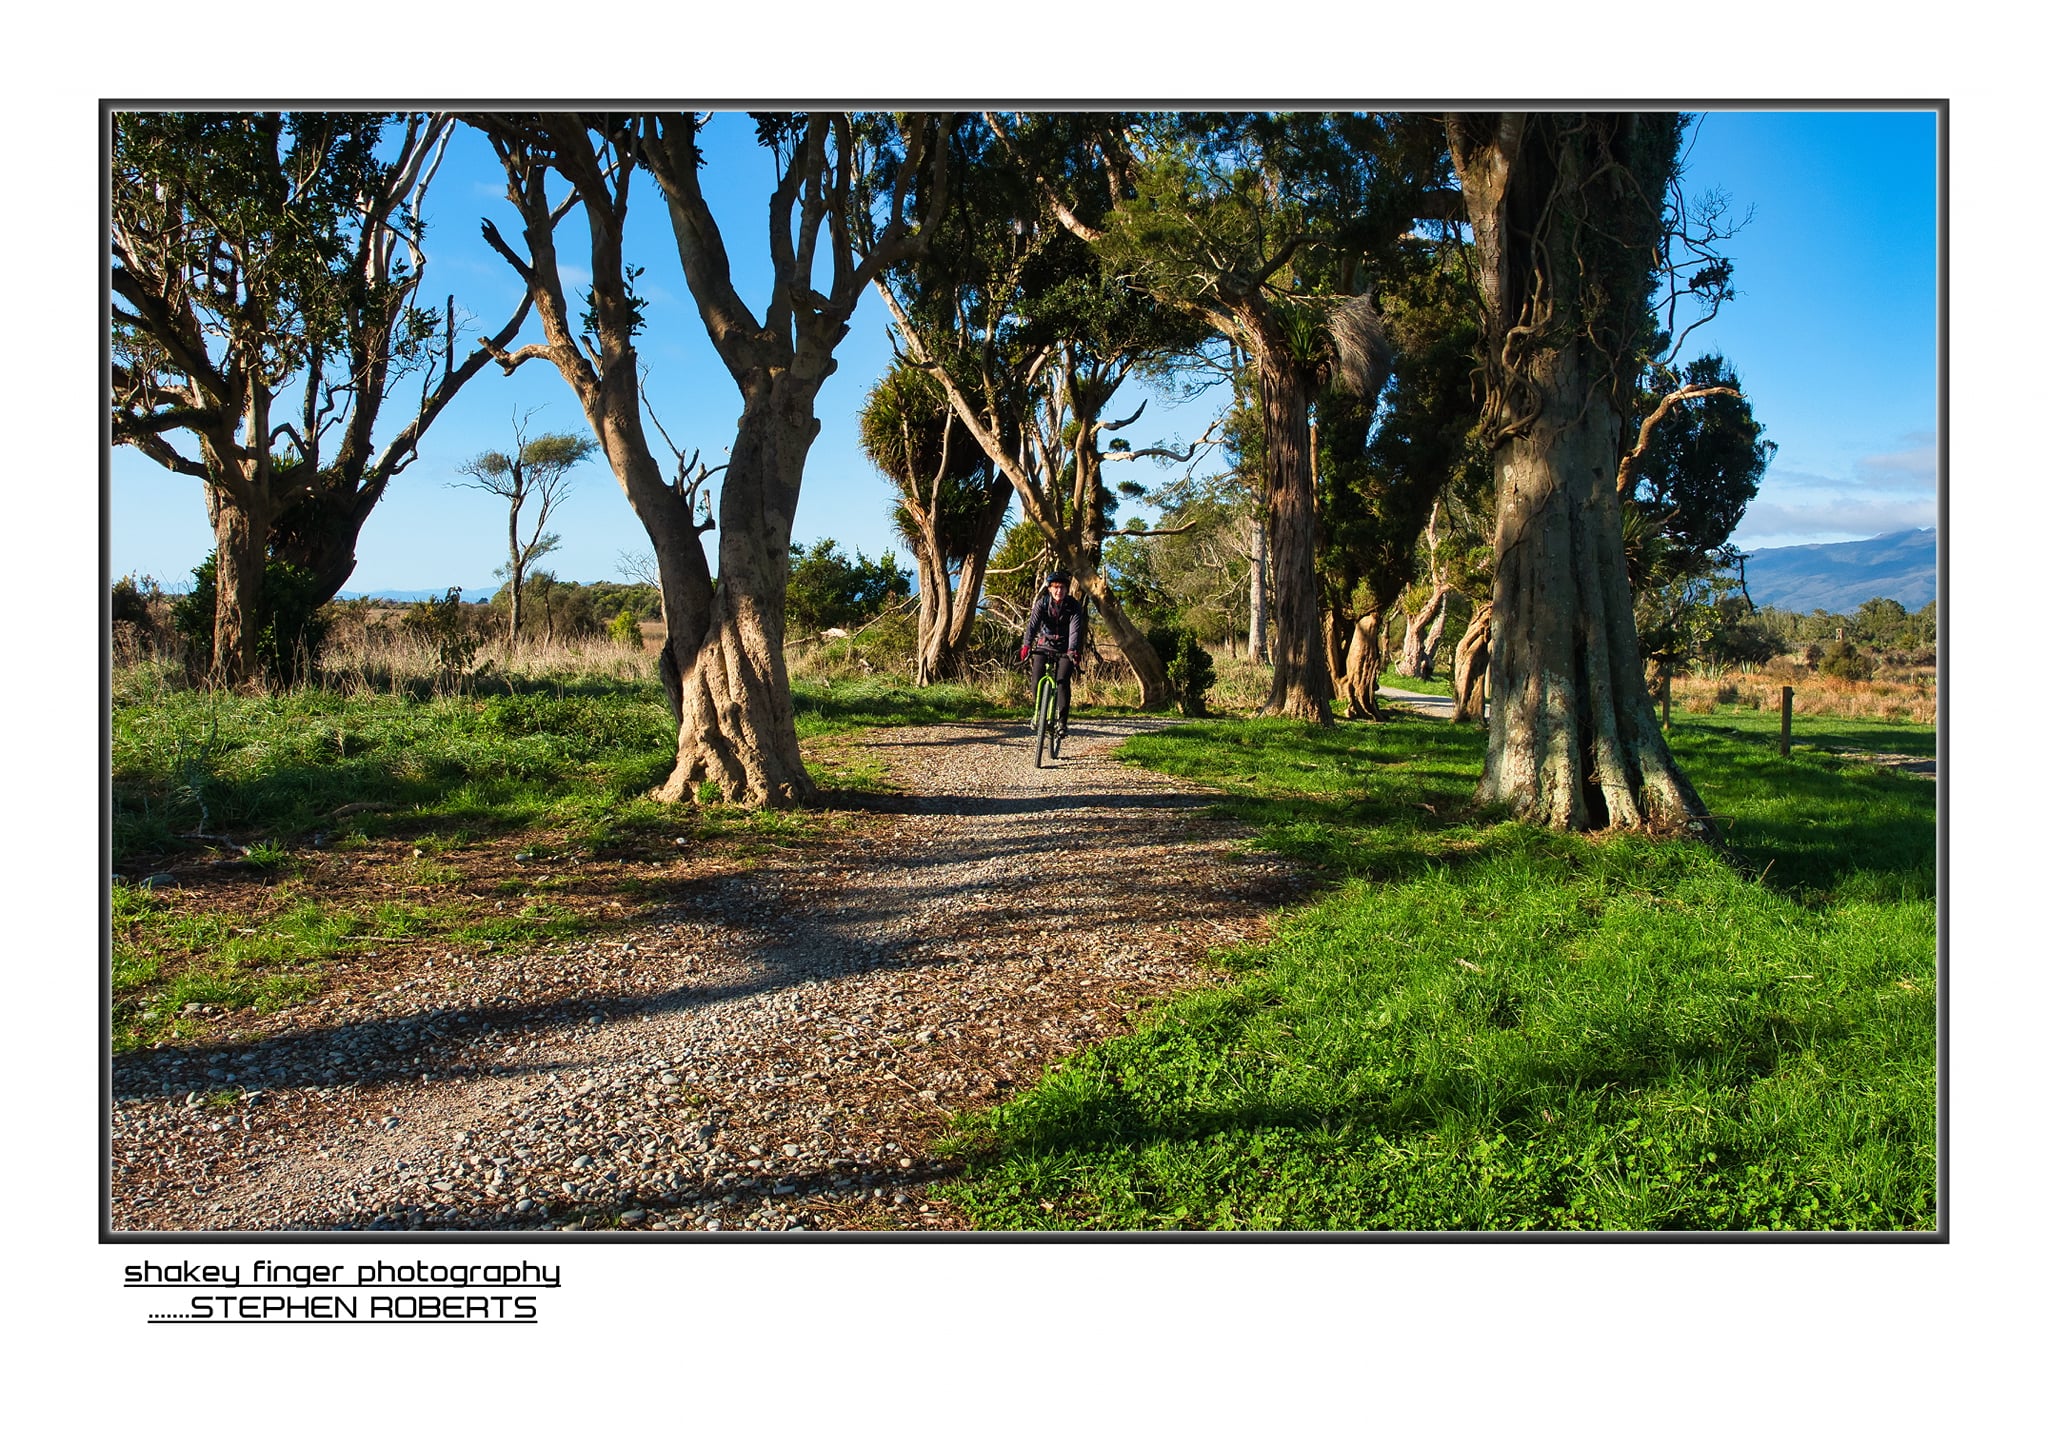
(1052, 639)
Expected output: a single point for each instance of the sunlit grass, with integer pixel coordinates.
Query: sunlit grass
(1481, 1026)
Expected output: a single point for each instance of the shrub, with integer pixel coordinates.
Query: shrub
(442, 623)
(829, 590)
(140, 615)
(624, 627)
(1190, 671)
(289, 624)
(1841, 660)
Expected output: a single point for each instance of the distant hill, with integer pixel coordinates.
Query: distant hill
(1840, 577)
(418, 595)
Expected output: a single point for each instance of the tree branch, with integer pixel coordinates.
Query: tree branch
(1066, 216)
(1625, 475)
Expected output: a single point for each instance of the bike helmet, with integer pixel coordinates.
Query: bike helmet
(1060, 575)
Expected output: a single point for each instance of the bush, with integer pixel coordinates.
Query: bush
(829, 590)
(624, 628)
(1190, 671)
(140, 615)
(1841, 660)
(290, 628)
(443, 623)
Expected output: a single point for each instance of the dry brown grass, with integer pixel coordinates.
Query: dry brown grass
(1906, 694)
(386, 660)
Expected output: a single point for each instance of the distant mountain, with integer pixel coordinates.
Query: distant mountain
(1840, 577)
(417, 595)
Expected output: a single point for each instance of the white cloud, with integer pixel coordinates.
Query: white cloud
(1884, 492)
(1915, 468)
(1783, 523)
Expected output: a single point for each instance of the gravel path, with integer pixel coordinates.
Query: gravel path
(775, 1046)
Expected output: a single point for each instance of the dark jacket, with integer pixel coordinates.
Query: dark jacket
(1058, 629)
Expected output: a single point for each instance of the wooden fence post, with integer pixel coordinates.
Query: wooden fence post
(1664, 696)
(1785, 722)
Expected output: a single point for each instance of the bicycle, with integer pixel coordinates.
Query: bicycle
(1044, 708)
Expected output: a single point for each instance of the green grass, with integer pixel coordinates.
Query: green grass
(1809, 731)
(282, 765)
(552, 776)
(1481, 1026)
(825, 708)
(1440, 686)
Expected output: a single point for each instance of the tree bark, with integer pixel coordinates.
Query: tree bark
(1301, 678)
(738, 728)
(238, 564)
(1573, 742)
(1255, 646)
(1565, 218)
(1364, 660)
(1468, 671)
(1418, 646)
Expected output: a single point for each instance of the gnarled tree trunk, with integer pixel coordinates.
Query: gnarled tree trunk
(1419, 646)
(1364, 660)
(1468, 671)
(1573, 742)
(738, 728)
(1565, 214)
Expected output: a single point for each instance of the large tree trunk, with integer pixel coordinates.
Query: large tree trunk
(1130, 639)
(1573, 742)
(1418, 648)
(239, 535)
(1565, 220)
(1255, 646)
(738, 729)
(1468, 671)
(1363, 661)
(1301, 678)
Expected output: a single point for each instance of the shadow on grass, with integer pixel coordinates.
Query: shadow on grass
(1849, 736)
(1806, 825)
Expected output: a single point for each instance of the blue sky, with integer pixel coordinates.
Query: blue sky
(1833, 333)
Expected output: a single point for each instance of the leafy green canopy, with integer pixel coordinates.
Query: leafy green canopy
(249, 224)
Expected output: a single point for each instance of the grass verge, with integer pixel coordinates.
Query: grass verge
(299, 834)
(1481, 1026)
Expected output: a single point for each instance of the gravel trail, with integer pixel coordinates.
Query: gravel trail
(773, 1046)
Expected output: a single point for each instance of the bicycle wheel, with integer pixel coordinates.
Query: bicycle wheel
(1043, 724)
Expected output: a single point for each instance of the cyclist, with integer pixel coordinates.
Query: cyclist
(1052, 639)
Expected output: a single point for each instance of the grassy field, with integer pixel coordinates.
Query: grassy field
(1479, 1026)
(292, 832)
(1828, 733)
(1471, 1025)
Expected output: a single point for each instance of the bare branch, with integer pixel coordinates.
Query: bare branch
(1625, 475)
